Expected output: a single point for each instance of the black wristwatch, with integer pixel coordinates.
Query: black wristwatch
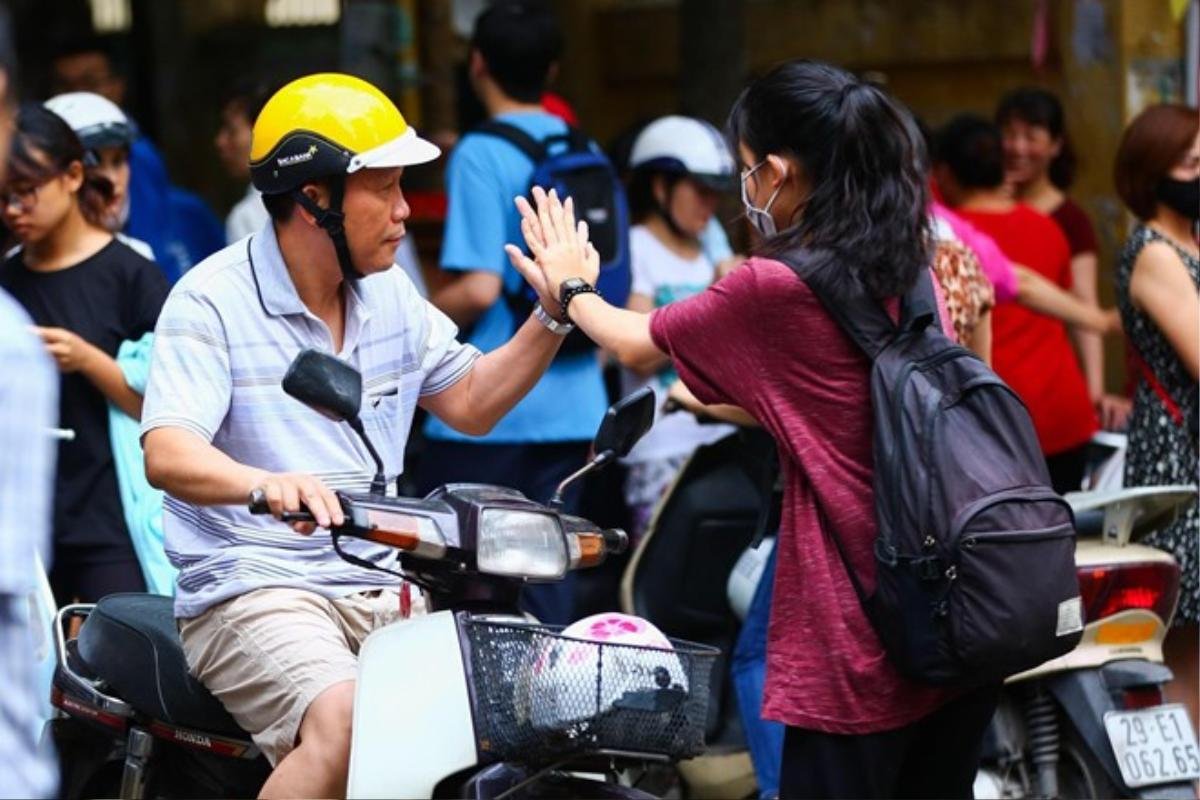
(568, 289)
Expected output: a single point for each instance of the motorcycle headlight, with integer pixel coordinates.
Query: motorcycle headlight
(521, 544)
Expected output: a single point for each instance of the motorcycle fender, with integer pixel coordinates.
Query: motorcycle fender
(1085, 696)
(412, 716)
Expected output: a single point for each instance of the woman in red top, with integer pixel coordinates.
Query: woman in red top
(1039, 167)
(830, 162)
(1031, 351)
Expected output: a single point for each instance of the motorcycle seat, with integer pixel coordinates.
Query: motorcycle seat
(130, 642)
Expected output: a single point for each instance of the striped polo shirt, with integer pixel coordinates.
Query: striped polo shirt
(224, 340)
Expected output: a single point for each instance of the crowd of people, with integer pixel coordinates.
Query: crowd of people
(171, 335)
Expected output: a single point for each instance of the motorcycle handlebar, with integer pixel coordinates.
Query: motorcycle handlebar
(616, 541)
(258, 505)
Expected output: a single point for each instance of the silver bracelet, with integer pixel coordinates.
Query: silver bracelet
(552, 325)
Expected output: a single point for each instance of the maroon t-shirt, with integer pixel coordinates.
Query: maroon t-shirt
(760, 339)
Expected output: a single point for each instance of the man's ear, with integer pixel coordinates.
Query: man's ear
(317, 194)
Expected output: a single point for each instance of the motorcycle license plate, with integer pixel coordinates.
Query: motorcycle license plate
(1154, 745)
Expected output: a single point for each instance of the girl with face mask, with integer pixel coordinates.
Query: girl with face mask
(832, 164)
(1158, 291)
(87, 293)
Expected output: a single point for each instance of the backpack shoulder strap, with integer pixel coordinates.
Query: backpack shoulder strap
(846, 300)
(572, 140)
(919, 308)
(530, 147)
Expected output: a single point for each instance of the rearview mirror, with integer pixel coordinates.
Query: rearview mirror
(624, 423)
(325, 384)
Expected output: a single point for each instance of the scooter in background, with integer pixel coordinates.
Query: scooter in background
(1092, 723)
(723, 499)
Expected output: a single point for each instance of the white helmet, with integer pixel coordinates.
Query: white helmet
(96, 120)
(570, 682)
(687, 146)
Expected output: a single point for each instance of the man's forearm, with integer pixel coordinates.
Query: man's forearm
(185, 466)
(501, 378)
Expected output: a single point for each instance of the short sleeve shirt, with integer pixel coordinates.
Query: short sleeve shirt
(969, 295)
(1076, 226)
(1030, 351)
(226, 336)
(760, 339)
(483, 177)
(111, 297)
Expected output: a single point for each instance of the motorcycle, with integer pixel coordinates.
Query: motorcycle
(1092, 723)
(468, 700)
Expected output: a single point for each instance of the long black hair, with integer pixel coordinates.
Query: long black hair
(1042, 109)
(43, 147)
(864, 159)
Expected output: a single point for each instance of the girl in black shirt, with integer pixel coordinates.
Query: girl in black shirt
(87, 293)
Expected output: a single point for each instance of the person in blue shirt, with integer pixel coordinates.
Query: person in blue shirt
(545, 437)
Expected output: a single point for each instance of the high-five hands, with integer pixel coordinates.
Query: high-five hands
(559, 245)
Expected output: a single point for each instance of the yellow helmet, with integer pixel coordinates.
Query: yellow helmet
(329, 124)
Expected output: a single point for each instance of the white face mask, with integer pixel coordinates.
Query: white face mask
(760, 218)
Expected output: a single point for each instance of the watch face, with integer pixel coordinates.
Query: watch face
(568, 285)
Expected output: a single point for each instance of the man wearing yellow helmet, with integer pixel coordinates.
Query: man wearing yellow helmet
(271, 621)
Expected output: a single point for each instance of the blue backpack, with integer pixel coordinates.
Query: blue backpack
(567, 163)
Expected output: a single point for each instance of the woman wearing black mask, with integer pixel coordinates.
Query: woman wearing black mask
(1158, 291)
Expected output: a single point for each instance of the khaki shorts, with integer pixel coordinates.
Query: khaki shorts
(266, 655)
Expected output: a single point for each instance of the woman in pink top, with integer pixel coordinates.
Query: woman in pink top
(831, 163)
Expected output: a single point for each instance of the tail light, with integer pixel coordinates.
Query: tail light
(1142, 697)
(1111, 588)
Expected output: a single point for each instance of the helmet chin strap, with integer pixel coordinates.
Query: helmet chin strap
(333, 221)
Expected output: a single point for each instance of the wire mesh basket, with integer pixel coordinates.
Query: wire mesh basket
(540, 696)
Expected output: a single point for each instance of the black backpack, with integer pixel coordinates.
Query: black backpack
(975, 557)
(569, 164)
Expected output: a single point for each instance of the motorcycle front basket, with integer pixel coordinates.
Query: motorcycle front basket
(540, 697)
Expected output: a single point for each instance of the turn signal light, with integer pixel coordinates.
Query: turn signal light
(591, 550)
(400, 539)
(402, 531)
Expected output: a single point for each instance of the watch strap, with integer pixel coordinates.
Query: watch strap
(551, 324)
(571, 292)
